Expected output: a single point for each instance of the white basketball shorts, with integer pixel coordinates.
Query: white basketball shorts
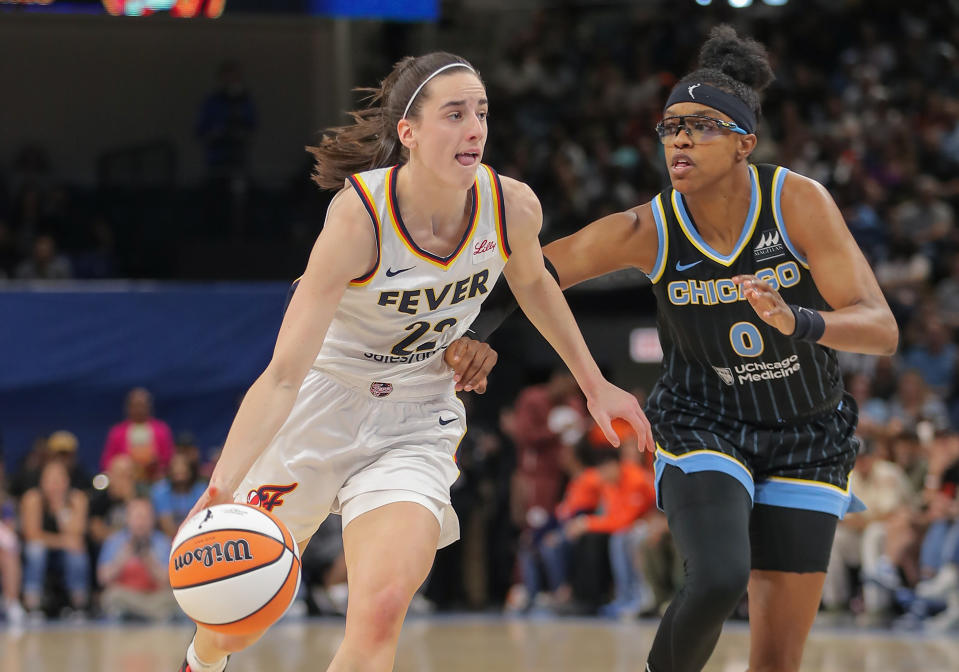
(343, 450)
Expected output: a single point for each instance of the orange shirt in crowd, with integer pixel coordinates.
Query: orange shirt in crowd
(617, 505)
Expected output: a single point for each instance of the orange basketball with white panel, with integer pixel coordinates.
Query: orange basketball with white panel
(234, 568)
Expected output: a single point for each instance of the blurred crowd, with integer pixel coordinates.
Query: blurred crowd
(553, 517)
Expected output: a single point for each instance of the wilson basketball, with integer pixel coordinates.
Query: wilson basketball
(234, 568)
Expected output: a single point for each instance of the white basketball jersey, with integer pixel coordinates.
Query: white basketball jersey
(393, 324)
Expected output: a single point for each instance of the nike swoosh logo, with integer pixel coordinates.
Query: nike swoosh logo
(390, 272)
(444, 421)
(679, 266)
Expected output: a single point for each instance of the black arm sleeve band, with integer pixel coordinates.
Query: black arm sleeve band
(810, 325)
(499, 305)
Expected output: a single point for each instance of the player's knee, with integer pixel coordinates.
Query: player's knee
(386, 608)
(721, 587)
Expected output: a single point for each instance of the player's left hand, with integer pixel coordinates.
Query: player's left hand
(767, 303)
(471, 362)
(611, 402)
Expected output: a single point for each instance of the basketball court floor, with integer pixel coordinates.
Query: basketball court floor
(458, 644)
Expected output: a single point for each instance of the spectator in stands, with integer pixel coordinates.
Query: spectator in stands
(60, 445)
(914, 402)
(941, 496)
(175, 495)
(939, 558)
(903, 276)
(620, 493)
(926, 218)
(108, 506)
(947, 295)
(132, 568)
(536, 484)
(934, 356)
(45, 263)
(873, 412)
(537, 481)
(146, 439)
(53, 519)
(10, 571)
(861, 537)
(63, 446)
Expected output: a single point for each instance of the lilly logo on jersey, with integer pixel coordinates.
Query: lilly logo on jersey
(769, 246)
(483, 250)
(408, 301)
(269, 496)
(723, 290)
(234, 550)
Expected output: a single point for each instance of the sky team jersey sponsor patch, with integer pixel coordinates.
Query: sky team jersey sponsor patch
(754, 372)
(770, 246)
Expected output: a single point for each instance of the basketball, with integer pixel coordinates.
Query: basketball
(234, 568)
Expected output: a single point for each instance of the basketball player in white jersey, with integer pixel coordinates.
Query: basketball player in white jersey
(356, 413)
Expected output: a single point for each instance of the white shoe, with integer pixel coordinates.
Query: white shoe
(16, 616)
(944, 582)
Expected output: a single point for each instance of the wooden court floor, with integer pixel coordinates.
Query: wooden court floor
(460, 644)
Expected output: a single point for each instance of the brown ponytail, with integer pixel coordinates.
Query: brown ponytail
(371, 141)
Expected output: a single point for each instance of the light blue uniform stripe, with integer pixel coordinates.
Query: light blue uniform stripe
(691, 463)
(778, 214)
(808, 496)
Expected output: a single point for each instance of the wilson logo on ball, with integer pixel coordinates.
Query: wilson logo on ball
(236, 550)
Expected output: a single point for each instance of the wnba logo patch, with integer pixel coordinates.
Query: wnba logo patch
(269, 496)
(381, 389)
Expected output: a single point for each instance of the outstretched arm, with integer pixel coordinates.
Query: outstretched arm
(621, 240)
(542, 300)
(860, 319)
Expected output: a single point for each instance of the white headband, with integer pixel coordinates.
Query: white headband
(445, 67)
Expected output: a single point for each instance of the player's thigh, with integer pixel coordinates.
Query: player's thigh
(390, 549)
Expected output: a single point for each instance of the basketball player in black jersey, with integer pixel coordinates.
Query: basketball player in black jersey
(757, 282)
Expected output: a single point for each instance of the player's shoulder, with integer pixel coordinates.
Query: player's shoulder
(517, 192)
(346, 210)
(521, 201)
(800, 191)
(347, 202)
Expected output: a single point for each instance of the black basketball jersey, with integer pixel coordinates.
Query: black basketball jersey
(717, 351)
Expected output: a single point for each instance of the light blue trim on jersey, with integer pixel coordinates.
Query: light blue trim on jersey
(808, 495)
(701, 460)
(779, 177)
(663, 235)
(749, 226)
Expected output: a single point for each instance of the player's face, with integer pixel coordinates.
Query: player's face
(705, 153)
(450, 134)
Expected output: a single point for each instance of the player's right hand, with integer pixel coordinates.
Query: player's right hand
(610, 402)
(471, 362)
(211, 496)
